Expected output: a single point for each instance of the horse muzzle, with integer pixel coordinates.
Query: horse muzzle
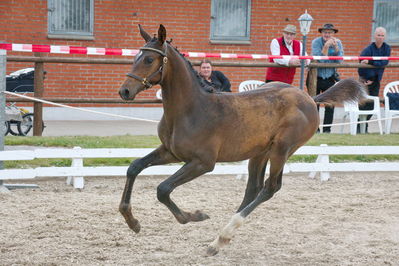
(128, 91)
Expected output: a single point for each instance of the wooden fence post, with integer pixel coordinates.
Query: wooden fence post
(312, 81)
(38, 92)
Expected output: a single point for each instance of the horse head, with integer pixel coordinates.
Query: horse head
(148, 66)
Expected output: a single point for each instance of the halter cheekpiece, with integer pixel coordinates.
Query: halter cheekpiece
(145, 81)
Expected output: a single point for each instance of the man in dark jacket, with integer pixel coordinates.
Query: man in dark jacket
(372, 76)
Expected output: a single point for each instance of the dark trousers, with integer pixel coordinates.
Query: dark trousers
(322, 86)
(374, 90)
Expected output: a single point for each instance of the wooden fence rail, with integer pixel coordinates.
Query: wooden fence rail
(39, 61)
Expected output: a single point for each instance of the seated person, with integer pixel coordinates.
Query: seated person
(214, 78)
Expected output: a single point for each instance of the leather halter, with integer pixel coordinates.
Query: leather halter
(145, 81)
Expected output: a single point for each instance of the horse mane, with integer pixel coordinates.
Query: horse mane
(200, 79)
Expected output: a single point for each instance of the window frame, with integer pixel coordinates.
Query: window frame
(229, 39)
(389, 39)
(58, 34)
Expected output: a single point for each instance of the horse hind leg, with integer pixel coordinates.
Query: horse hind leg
(278, 157)
(159, 156)
(256, 177)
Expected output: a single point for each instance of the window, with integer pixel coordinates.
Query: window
(71, 19)
(230, 21)
(386, 15)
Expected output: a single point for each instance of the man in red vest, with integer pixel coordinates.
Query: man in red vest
(285, 45)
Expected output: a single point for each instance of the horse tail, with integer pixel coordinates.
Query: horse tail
(346, 90)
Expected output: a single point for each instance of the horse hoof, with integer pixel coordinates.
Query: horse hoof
(200, 216)
(212, 251)
(135, 226)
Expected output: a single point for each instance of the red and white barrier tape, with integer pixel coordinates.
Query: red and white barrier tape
(130, 52)
(66, 49)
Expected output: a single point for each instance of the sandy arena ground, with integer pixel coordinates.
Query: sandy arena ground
(353, 219)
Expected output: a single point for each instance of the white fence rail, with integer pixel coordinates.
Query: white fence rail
(77, 170)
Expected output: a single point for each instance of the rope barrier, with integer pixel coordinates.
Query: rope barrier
(17, 47)
(358, 122)
(77, 108)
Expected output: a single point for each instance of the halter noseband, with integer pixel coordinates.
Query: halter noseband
(145, 81)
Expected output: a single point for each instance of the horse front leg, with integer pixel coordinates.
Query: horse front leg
(188, 172)
(156, 157)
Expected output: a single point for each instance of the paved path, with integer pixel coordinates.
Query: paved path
(99, 128)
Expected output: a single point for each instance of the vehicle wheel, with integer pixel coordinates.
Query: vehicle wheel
(6, 127)
(26, 124)
(14, 128)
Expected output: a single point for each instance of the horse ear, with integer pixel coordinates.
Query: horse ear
(161, 34)
(144, 34)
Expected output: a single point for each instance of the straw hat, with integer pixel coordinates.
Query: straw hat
(290, 29)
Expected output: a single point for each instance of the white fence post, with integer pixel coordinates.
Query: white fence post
(76, 181)
(243, 176)
(324, 159)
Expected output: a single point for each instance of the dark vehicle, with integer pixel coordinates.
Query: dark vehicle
(20, 81)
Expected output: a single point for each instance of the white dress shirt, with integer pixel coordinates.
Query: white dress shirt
(275, 50)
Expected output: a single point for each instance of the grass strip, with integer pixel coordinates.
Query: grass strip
(130, 141)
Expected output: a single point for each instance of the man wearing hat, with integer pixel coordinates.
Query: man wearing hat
(285, 45)
(327, 45)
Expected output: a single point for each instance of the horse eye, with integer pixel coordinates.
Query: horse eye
(148, 60)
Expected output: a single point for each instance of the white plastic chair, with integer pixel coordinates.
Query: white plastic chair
(352, 110)
(249, 85)
(158, 94)
(392, 87)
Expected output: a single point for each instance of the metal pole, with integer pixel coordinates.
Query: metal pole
(3, 63)
(303, 62)
(3, 58)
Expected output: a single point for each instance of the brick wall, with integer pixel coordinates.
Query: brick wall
(188, 23)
